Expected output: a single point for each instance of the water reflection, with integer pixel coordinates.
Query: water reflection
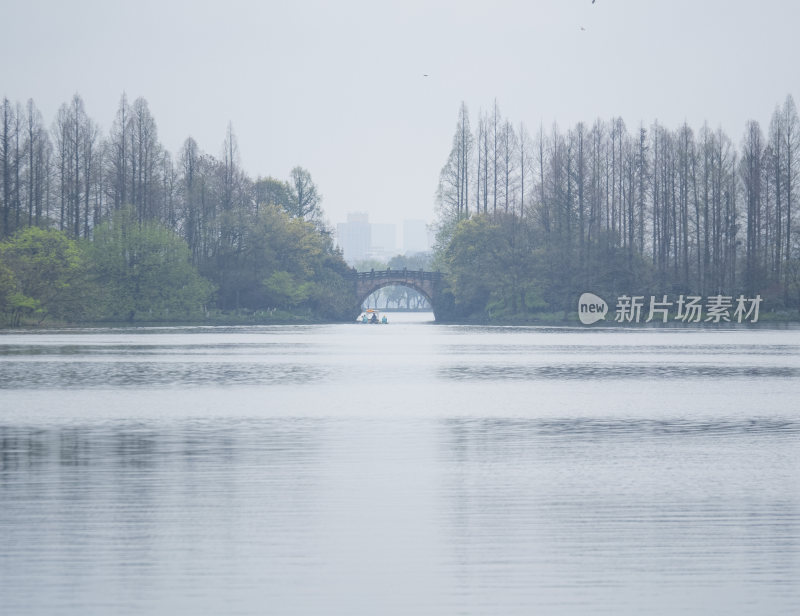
(609, 516)
(399, 470)
(127, 374)
(141, 444)
(507, 429)
(237, 349)
(130, 518)
(637, 348)
(611, 371)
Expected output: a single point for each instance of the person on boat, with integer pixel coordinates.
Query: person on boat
(374, 318)
(384, 320)
(364, 317)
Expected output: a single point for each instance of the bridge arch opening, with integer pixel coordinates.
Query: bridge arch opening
(399, 297)
(426, 284)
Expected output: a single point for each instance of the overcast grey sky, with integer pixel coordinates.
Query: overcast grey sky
(338, 87)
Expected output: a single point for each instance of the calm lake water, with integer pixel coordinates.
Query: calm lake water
(409, 469)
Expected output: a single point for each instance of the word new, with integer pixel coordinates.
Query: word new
(688, 309)
(591, 308)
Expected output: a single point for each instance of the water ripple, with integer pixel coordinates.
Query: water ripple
(507, 429)
(613, 371)
(128, 374)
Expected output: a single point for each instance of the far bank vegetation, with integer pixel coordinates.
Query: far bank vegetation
(529, 221)
(112, 227)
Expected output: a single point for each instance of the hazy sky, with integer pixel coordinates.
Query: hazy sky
(338, 87)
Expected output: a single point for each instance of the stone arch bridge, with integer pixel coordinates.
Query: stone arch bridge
(428, 284)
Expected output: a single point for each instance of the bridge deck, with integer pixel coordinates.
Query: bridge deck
(395, 274)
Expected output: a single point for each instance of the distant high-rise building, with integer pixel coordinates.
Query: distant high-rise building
(415, 236)
(354, 237)
(383, 240)
(360, 240)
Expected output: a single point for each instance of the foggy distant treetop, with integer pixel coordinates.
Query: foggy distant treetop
(73, 176)
(530, 221)
(338, 87)
(97, 225)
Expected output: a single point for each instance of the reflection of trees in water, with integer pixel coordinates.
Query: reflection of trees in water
(186, 503)
(144, 480)
(270, 443)
(148, 463)
(60, 374)
(599, 500)
(575, 371)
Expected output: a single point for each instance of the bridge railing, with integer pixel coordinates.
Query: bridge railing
(405, 274)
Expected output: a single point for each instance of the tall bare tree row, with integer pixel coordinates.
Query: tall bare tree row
(708, 218)
(455, 176)
(71, 177)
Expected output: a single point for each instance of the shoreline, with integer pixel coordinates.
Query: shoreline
(572, 322)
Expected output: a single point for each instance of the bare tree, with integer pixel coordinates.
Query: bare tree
(230, 168)
(305, 198)
(495, 133)
(92, 177)
(76, 137)
(189, 217)
(118, 148)
(751, 175)
(482, 175)
(145, 162)
(8, 164)
(36, 161)
(509, 146)
(791, 149)
(453, 190)
(524, 161)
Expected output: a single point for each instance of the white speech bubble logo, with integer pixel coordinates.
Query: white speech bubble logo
(591, 308)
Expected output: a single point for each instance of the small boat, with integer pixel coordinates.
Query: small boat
(373, 316)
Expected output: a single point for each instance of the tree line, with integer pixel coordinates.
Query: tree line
(122, 200)
(526, 223)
